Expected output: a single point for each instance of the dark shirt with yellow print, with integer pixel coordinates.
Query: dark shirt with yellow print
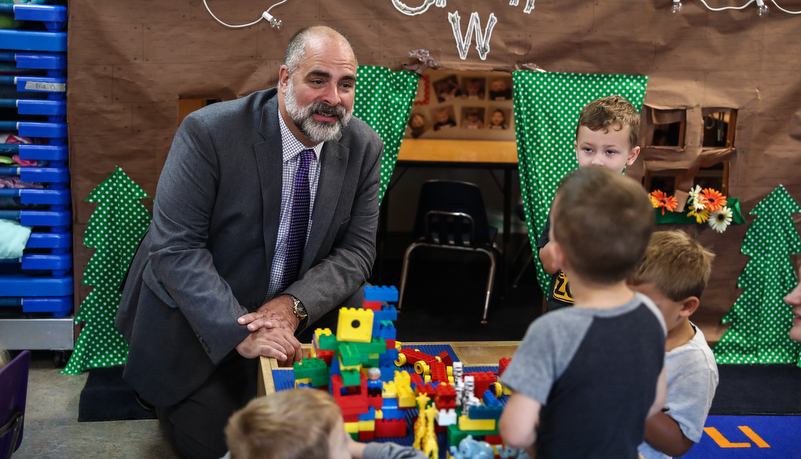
(559, 290)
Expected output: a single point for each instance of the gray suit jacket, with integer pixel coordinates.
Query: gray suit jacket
(207, 255)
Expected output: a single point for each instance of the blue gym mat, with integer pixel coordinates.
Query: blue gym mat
(749, 437)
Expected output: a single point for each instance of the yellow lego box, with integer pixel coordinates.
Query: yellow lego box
(355, 325)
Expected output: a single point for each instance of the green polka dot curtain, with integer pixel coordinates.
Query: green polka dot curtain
(760, 318)
(384, 101)
(547, 107)
(114, 230)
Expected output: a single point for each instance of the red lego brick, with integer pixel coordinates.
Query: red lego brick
(412, 356)
(445, 397)
(483, 380)
(328, 356)
(350, 418)
(390, 343)
(376, 402)
(387, 428)
(439, 372)
(440, 429)
(415, 378)
(446, 358)
(371, 305)
(366, 435)
(493, 439)
(350, 404)
(427, 389)
(502, 364)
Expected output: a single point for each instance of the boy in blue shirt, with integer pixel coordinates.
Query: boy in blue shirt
(585, 378)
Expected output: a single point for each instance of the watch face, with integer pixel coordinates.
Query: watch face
(300, 309)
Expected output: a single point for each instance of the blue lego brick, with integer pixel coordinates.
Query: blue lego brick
(485, 411)
(335, 367)
(368, 416)
(387, 372)
(387, 330)
(381, 293)
(304, 385)
(489, 398)
(389, 403)
(393, 413)
(388, 358)
(386, 313)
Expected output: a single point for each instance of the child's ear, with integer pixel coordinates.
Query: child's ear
(635, 152)
(558, 255)
(689, 306)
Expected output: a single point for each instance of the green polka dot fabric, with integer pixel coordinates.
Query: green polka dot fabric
(760, 318)
(114, 230)
(547, 107)
(384, 101)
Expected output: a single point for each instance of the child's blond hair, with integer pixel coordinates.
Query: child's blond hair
(676, 264)
(612, 112)
(290, 424)
(4, 357)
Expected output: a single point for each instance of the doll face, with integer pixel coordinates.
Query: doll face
(498, 118)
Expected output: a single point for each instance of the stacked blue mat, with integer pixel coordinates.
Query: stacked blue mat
(41, 280)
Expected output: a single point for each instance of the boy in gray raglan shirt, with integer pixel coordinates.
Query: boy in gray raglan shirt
(586, 378)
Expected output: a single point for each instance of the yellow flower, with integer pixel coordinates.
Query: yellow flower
(701, 216)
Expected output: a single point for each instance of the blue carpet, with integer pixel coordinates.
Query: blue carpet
(774, 437)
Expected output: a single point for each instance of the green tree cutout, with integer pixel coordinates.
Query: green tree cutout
(760, 318)
(384, 101)
(114, 230)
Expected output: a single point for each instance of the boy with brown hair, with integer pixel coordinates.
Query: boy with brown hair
(594, 371)
(607, 135)
(674, 272)
(300, 424)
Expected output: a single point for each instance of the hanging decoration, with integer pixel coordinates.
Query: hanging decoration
(114, 230)
(760, 319)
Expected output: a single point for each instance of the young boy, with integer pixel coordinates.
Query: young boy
(607, 135)
(673, 273)
(300, 424)
(584, 379)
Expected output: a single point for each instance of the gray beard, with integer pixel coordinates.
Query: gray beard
(316, 131)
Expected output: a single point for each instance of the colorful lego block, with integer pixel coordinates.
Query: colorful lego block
(367, 425)
(493, 439)
(372, 305)
(387, 371)
(313, 369)
(445, 358)
(465, 423)
(375, 401)
(446, 417)
(485, 412)
(490, 399)
(366, 435)
(386, 313)
(327, 356)
(351, 427)
(349, 404)
(387, 359)
(445, 396)
(368, 416)
(374, 346)
(390, 343)
(439, 373)
(381, 293)
(355, 325)
(327, 343)
(389, 391)
(351, 377)
(502, 364)
(482, 379)
(390, 428)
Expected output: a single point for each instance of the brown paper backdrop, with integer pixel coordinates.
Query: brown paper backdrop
(130, 62)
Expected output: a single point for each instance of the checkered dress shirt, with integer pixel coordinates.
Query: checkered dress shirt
(291, 152)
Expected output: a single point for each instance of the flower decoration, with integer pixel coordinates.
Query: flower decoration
(700, 215)
(660, 199)
(696, 200)
(714, 200)
(721, 219)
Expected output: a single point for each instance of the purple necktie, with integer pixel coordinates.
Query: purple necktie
(299, 221)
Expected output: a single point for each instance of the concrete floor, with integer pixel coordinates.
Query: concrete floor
(52, 429)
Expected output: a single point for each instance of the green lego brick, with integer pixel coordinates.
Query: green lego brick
(376, 346)
(349, 355)
(354, 436)
(455, 436)
(328, 342)
(369, 360)
(351, 378)
(311, 368)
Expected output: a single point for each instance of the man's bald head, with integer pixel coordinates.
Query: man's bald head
(296, 49)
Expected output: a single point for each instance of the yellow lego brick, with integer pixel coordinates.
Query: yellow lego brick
(366, 426)
(466, 423)
(352, 427)
(406, 398)
(302, 381)
(389, 390)
(379, 414)
(355, 325)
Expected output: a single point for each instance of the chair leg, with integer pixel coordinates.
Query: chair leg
(529, 259)
(490, 282)
(404, 272)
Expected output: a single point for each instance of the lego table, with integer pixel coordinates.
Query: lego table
(470, 353)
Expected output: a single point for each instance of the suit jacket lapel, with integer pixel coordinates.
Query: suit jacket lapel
(270, 163)
(333, 162)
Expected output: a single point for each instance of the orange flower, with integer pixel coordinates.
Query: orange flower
(661, 199)
(714, 200)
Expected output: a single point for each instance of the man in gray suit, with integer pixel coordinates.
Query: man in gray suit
(222, 275)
